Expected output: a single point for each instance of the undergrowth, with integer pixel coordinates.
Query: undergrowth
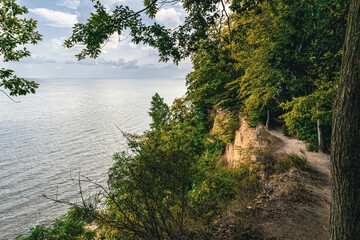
(273, 163)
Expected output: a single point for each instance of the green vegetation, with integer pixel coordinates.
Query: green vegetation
(267, 59)
(14, 33)
(165, 186)
(70, 226)
(283, 59)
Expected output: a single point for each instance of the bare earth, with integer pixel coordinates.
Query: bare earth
(296, 204)
(293, 205)
(319, 162)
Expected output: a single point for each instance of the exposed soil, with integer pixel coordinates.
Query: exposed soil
(319, 162)
(293, 205)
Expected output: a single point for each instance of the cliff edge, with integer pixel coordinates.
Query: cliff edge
(293, 203)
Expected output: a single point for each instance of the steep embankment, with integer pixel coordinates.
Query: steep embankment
(295, 204)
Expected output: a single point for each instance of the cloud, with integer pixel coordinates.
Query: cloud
(70, 4)
(121, 63)
(169, 17)
(55, 18)
(83, 10)
(110, 3)
(85, 7)
(148, 48)
(130, 65)
(114, 42)
(132, 45)
(38, 60)
(118, 63)
(70, 62)
(57, 43)
(170, 67)
(87, 61)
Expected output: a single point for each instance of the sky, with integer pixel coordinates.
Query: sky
(120, 58)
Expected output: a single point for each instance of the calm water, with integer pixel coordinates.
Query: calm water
(66, 128)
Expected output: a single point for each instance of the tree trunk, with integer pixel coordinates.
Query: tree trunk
(319, 135)
(345, 140)
(320, 147)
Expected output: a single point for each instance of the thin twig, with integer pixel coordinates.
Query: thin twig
(228, 18)
(9, 96)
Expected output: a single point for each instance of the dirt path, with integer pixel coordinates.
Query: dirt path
(319, 162)
(298, 206)
(292, 205)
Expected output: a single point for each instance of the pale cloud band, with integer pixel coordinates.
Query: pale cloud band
(55, 18)
(169, 17)
(70, 4)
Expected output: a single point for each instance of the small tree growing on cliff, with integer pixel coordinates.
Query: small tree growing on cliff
(159, 112)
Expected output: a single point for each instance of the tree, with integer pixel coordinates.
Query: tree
(159, 112)
(14, 33)
(173, 44)
(213, 70)
(345, 147)
(289, 68)
(177, 44)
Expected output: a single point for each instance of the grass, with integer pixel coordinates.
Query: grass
(291, 160)
(273, 163)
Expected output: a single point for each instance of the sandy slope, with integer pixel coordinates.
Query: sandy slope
(293, 205)
(319, 162)
(299, 207)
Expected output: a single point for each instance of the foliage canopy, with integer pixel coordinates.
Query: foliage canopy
(14, 33)
(279, 58)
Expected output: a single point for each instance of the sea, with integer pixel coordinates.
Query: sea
(67, 131)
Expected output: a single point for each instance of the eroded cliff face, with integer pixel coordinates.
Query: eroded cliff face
(293, 203)
(246, 140)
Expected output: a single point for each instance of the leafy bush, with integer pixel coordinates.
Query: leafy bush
(149, 189)
(272, 163)
(266, 158)
(70, 226)
(285, 130)
(214, 186)
(312, 147)
(225, 124)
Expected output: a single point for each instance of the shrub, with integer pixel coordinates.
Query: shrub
(312, 147)
(70, 226)
(266, 158)
(290, 160)
(271, 162)
(214, 187)
(285, 130)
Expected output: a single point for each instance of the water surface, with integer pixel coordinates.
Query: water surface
(66, 128)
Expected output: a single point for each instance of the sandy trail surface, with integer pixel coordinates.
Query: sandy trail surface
(319, 162)
(293, 205)
(299, 208)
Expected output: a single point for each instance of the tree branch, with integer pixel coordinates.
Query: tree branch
(9, 96)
